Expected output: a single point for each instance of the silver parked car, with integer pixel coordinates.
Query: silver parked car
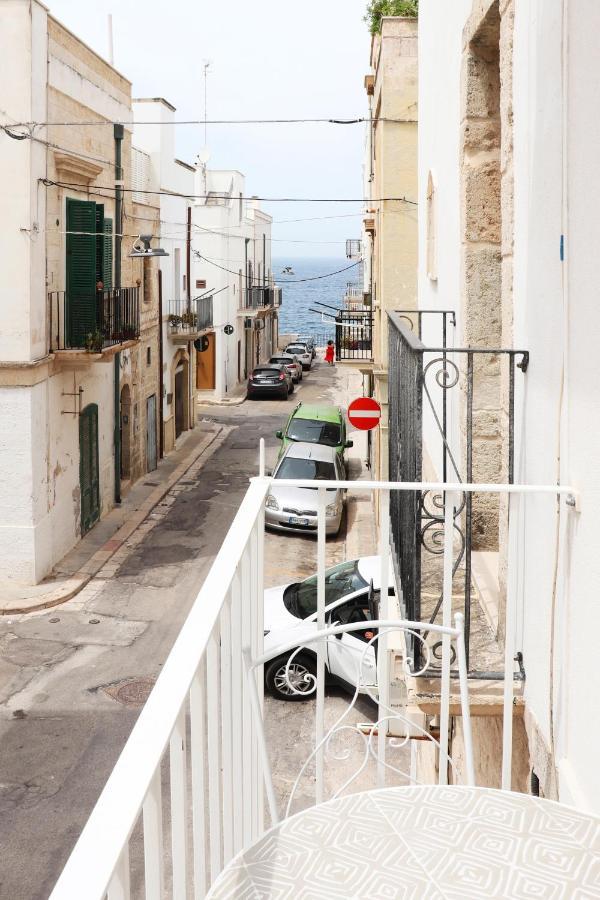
(295, 509)
(292, 364)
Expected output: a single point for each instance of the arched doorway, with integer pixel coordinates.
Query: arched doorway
(182, 397)
(125, 426)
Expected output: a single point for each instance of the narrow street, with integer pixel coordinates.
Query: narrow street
(74, 677)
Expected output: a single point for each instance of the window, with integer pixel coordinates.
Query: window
(431, 229)
(301, 599)
(148, 356)
(314, 432)
(309, 469)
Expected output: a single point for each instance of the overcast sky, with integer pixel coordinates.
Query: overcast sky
(269, 59)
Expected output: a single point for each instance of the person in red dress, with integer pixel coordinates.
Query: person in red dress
(329, 353)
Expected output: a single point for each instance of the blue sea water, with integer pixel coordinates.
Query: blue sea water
(299, 297)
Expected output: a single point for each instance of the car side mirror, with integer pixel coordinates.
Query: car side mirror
(279, 434)
(349, 444)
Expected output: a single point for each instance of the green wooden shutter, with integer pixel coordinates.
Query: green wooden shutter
(108, 255)
(99, 242)
(80, 310)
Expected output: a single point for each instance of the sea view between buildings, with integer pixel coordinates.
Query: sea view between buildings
(300, 298)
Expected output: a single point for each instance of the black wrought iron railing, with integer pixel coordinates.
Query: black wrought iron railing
(93, 321)
(190, 316)
(420, 385)
(354, 335)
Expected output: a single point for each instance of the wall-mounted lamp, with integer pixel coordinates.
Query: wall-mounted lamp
(142, 250)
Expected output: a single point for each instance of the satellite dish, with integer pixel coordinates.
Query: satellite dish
(204, 156)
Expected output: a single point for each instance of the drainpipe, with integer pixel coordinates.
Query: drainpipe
(161, 385)
(118, 135)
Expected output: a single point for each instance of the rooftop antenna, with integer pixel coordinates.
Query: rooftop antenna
(111, 50)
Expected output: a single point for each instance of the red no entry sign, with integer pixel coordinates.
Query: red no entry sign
(364, 413)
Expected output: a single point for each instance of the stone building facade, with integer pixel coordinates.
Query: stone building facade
(78, 352)
(390, 226)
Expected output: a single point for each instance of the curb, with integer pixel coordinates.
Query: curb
(235, 402)
(76, 583)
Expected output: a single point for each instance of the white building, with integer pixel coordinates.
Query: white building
(508, 149)
(183, 318)
(231, 240)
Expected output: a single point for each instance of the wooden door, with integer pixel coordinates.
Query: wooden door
(205, 366)
(151, 460)
(89, 480)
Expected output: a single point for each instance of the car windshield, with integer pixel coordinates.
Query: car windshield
(279, 361)
(309, 469)
(296, 350)
(301, 599)
(314, 431)
(273, 372)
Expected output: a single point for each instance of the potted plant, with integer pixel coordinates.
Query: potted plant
(189, 319)
(129, 332)
(94, 341)
(174, 323)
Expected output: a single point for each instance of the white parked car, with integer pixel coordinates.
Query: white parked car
(303, 352)
(290, 613)
(289, 508)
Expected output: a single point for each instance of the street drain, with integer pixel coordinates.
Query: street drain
(133, 692)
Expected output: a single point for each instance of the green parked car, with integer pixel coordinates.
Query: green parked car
(316, 425)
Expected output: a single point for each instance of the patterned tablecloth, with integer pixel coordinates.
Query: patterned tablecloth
(422, 842)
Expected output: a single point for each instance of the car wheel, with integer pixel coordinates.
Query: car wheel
(302, 676)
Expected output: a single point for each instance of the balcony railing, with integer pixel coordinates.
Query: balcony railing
(190, 317)
(421, 383)
(260, 297)
(354, 335)
(93, 321)
(353, 249)
(200, 737)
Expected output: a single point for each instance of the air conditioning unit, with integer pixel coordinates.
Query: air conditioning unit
(247, 323)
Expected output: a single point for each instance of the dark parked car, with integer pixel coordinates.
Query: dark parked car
(274, 381)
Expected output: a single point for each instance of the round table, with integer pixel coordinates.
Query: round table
(422, 842)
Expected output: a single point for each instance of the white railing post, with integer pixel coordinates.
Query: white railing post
(119, 888)
(509, 641)
(253, 617)
(177, 759)
(237, 700)
(449, 500)
(153, 840)
(383, 662)
(464, 698)
(226, 731)
(198, 761)
(259, 675)
(247, 729)
(213, 750)
(261, 458)
(321, 646)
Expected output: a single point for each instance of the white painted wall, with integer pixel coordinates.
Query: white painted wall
(440, 47)
(23, 51)
(220, 234)
(558, 319)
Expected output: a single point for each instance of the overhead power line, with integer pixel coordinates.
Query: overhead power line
(315, 121)
(283, 283)
(215, 196)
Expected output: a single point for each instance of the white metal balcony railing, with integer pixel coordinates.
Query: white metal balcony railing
(200, 737)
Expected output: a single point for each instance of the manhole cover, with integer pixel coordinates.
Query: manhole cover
(133, 692)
